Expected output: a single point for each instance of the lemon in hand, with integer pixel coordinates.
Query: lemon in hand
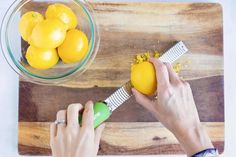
(62, 12)
(41, 58)
(74, 47)
(49, 33)
(143, 78)
(27, 23)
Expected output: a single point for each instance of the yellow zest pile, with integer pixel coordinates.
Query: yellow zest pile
(139, 58)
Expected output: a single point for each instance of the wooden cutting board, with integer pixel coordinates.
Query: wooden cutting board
(127, 29)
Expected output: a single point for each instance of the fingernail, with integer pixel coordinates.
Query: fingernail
(103, 126)
(133, 90)
(159, 61)
(89, 105)
(90, 102)
(151, 59)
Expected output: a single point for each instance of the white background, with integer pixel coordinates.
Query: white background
(9, 87)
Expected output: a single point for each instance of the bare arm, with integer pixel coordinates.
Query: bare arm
(175, 108)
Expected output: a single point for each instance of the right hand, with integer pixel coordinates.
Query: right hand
(175, 108)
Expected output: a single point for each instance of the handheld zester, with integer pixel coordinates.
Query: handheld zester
(103, 110)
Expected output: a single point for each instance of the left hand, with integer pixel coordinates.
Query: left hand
(69, 139)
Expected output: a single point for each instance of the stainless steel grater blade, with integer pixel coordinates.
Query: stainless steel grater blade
(174, 53)
(124, 93)
(119, 96)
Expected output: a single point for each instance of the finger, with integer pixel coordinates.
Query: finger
(61, 116)
(53, 132)
(161, 73)
(143, 100)
(87, 120)
(174, 78)
(98, 135)
(73, 115)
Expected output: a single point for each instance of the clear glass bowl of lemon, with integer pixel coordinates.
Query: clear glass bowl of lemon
(47, 41)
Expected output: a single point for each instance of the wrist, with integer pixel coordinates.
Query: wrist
(194, 139)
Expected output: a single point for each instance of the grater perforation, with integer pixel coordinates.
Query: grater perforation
(117, 98)
(174, 53)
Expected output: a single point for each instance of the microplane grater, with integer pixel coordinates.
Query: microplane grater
(124, 93)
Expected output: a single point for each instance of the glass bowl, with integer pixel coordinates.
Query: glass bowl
(14, 48)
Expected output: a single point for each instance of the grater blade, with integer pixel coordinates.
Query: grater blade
(174, 53)
(124, 93)
(119, 96)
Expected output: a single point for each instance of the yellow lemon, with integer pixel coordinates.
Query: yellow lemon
(143, 78)
(49, 33)
(62, 12)
(27, 23)
(41, 58)
(74, 47)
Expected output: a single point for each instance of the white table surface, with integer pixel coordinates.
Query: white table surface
(9, 87)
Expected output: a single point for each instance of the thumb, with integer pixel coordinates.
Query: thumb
(143, 100)
(98, 135)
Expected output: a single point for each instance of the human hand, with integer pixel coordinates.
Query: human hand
(175, 108)
(71, 139)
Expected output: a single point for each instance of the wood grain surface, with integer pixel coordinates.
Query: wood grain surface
(127, 29)
(38, 104)
(119, 138)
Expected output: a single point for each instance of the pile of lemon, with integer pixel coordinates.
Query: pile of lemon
(52, 37)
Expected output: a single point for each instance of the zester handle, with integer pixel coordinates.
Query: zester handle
(101, 113)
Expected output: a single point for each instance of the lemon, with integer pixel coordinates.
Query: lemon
(41, 58)
(49, 33)
(74, 47)
(143, 78)
(62, 12)
(27, 23)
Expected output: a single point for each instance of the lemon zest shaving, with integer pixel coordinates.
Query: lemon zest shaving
(177, 68)
(143, 57)
(157, 54)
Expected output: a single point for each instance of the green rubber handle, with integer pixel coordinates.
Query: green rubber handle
(101, 113)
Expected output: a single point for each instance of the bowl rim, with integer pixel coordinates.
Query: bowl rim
(20, 70)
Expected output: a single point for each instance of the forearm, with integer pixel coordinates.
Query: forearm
(194, 140)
